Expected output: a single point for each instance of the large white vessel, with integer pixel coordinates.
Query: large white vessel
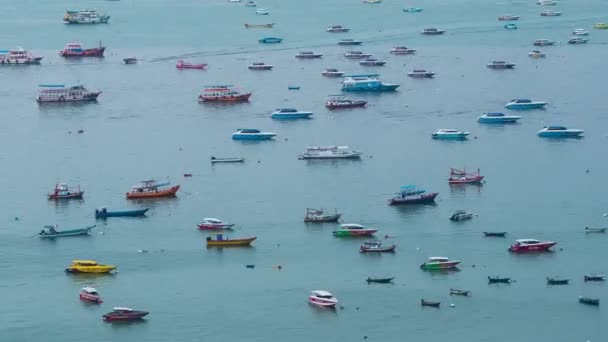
(61, 93)
(330, 152)
(18, 56)
(85, 17)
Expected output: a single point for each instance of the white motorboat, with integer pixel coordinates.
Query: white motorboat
(323, 299)
(580, 32)
(402, 50)
(449, 134)
(559, 132)
(536, 54)
(421, 73)
(498, 118)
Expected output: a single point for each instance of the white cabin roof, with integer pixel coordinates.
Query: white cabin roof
(527, 241)
(121, 308)
(89, 289)
(438, 259)
(322, 293)
(352, 226)
(212, 220)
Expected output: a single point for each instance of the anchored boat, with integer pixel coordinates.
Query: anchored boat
(330, 152)
(323, 299)
(376, 247)
(342, 102)
(290, 114)
(76, 50)
(90, 294)
(85, 17)
(227, 160)
(351, 229)
(62, 191)
(252, 134)
(88, 266)
(531, 245)
(498, 118)
(559, 132)
(402, 50)
(50, 232)
(18, 56)
(219, 240)
(337, 28)
(61, 93)
(151, 188)
(366, 83)
(380, 280)
(449, 134)
(464, 177)
(461, 215)
(223, 93)
(210, 223)
(410, 194)
(321, 216)
(439, 263)
(523, 104)
(181, 64)
(103, 212)
(122, 314)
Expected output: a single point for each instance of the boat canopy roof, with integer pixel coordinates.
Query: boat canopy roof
(438, 259)
(121, 308)
(287, 110)
(362, 76)
(85, 262)
(556, 128)
(352, 226)
(527, 241)
(322, 293)
(248, 130)
(212, 220)
(89, 289)
(522, 101)
(51, 86)
(495, 114)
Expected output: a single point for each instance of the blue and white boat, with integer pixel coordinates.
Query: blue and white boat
(449, 134)
(498, 118)
(366, 83)
(290, 113)
(559, 132)
(511, 26)
(412, 10)
(103, 212)
(262, 11)
(250, 4)
(251, 134)
(520, 104)
(270, 40)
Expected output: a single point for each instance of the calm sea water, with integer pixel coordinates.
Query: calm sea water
(148, 123)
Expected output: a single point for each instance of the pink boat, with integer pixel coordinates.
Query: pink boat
(185, 65)
(323, 299)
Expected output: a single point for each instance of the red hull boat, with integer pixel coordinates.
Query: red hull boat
(124, 315)
(415, 199)
(464, 177)
(185, 65)
(89, 294)
(531, 245)
(223, 94)
(76, 50)
(62, 191)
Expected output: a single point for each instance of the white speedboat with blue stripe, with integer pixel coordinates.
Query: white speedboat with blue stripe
(251, 134)
(559, 132)
(498, 118)
(525, 104)
(450, 134)
(290, 113)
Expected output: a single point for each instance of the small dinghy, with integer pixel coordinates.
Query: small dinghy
(461, 215)
(495, 234)
(429, 303)
(595, 277)
(499, 280)
(595, 230)
(130, 60)
(227, 160)
(557, 281)
(589, 301)
(380, 280)
(460, 292)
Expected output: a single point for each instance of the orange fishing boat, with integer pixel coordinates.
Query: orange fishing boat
(152, 189)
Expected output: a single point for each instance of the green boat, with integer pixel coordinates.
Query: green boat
(49, 232)
(351, 229)
(380, 280)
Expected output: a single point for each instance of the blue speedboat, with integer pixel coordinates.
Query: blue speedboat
(525, 104)
(251, 134)
(104, 212)
(270, 40)
(559, 132)
(290, 113)
(498, 118)
(366, 83)
(449, 134)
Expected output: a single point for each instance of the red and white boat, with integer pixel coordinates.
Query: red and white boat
(186, 65)
(323, 299)
(223, 93)
(210, 223)
(62, 191)
(76, 50)
(531, 245)
(18, 56)
(464, 177)
(89, 294)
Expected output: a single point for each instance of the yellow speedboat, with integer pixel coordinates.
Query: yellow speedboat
(88, 266)
(602, 26)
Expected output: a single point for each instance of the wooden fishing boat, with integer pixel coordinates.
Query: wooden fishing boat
(259, 25)
(495, 234)
(464, 177)
(227, 160)
(496, 280)
(557, 281)
(595, 230)
(380, 280)
(321, 216)
(63, 192)
(50, 232)
(410, 194)
(429, 303)
(104, 213)
(589, 301)
(89, 294)
(594, 277)
(151, 189)
(218, 240)
(460, 292)
(376, 247)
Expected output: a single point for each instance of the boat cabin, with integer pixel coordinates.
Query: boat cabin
(212, 220)
(84, 263)
(495, 115)
(556, 128)
(527, 241)
(122, 309)
(248, 131)
(438, 259)
(521, 101)
(90, 290)
(322, 294)
(352, 226)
